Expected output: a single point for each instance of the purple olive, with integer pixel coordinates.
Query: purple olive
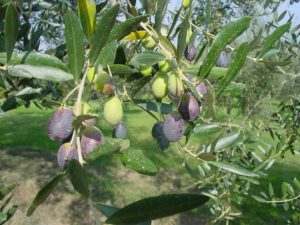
(60, 124)
(224, 59)
(119, 131)
(91, 138)
(157, 133)
(189, 107)
(201, 88)
(65, 153)
(190, 54)
(173, 127)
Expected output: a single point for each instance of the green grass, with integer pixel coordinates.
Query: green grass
(27, 129)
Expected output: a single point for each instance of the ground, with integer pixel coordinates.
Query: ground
(28, 159)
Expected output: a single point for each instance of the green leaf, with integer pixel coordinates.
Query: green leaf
(11, 27)
(206, 128)
(125, 28)
(110, 146)
(277, 63)
(273, 38)
(108, 54)
(39, 72)
(147, 58)
(156, 207)
(74, 42)
(159, 14)
(234, 89)
(234, 169)
(44, 193)
(174, 22)
(11, 211)
(181, 43)
(259, 199)
(235, 66)
(109, 210)
(78, 178)
(33, 58)
(3, 217)
(224, 142)
(136, 160)
(271, 190)
(102, 32)
(87, 14)
(139, 84)
(120, 69)
(5, 191)
(155, 106)
(215, 72)
(227, 34)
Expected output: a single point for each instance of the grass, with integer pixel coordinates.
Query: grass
(26, 129)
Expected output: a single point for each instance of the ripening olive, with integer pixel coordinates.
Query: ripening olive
(91, 138)
(189, 107)
(113, 111)
(159, 85)
(149, 43)
(146, 70)
(190, 54)
(175, 86)
(165, 66)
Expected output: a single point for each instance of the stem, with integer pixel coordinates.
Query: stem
(77, 108)
(284, 200)
(69, 95)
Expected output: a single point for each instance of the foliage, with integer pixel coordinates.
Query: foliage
(104, 57)
(6, 212)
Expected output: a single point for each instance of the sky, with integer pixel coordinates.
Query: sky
(293, 9)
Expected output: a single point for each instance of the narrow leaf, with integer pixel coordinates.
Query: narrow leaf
(11, 27)
(109, 210)
(206, 128)
(5, 191)
(78, 178)
(135, 35)
(156, 207)
(215, 72)
(160, 13)
(136, 160)
(44, 193)
(39, 72)
(227, 34)
(87, 14)
(124, 28)
(273, 38)
(111, 145)
(108, 54)
(224, 142)
(33, 58)
(74, 42)
(235, 66)
(234, 169)
(147, 58)
(181, 43)
(102, 32)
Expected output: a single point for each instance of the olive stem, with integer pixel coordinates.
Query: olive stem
(77, 108)
(79, 151)
(69, 95)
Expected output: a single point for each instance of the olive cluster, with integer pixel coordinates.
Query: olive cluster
(61, 128)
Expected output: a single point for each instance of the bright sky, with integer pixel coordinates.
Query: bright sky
(293, 9)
